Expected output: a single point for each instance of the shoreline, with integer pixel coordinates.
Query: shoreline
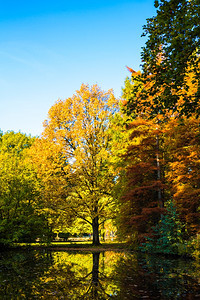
(85, 247)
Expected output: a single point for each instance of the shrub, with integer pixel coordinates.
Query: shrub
(168, 234)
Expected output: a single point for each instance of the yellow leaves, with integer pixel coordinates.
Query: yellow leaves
(72, 156)
(78, 118)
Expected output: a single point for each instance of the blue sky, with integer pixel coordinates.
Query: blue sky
(49, 48)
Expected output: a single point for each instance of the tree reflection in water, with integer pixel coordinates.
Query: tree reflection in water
(106, 275)
(20, 272)
(79, 276)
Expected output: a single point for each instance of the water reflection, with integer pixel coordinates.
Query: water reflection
(105, 275)
(20, 272)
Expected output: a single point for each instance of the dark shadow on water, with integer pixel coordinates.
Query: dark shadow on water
(95, 269)
(19, 271)
(107, 275)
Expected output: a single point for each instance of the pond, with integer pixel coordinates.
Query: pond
(42, 274)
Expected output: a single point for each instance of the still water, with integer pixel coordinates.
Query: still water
(107, 275)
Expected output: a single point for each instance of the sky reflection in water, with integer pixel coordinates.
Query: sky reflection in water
(105, 275)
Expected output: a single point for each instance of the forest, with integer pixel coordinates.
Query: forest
(129, 166)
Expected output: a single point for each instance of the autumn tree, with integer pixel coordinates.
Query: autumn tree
(183, 176)
(174, 140)
(141, 179)
(182, 145)
(73, 154)
(166, 90)
(141, 202)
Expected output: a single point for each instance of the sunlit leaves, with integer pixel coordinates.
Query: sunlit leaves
(74, 152)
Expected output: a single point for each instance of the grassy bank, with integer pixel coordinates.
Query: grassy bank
(79, 246)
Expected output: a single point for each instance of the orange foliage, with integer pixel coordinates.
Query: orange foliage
(141, 207)
(182, 141)
(178, 153)
(131, 70)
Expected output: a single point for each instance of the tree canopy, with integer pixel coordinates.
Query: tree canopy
(173, 45)
(21, 218)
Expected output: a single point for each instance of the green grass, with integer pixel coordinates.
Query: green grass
(87, 245)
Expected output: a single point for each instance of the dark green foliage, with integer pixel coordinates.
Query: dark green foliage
(173, 44)
(168, 234)
(24, 229)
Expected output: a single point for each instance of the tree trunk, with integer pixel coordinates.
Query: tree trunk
(160, 200)
(95, 228)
